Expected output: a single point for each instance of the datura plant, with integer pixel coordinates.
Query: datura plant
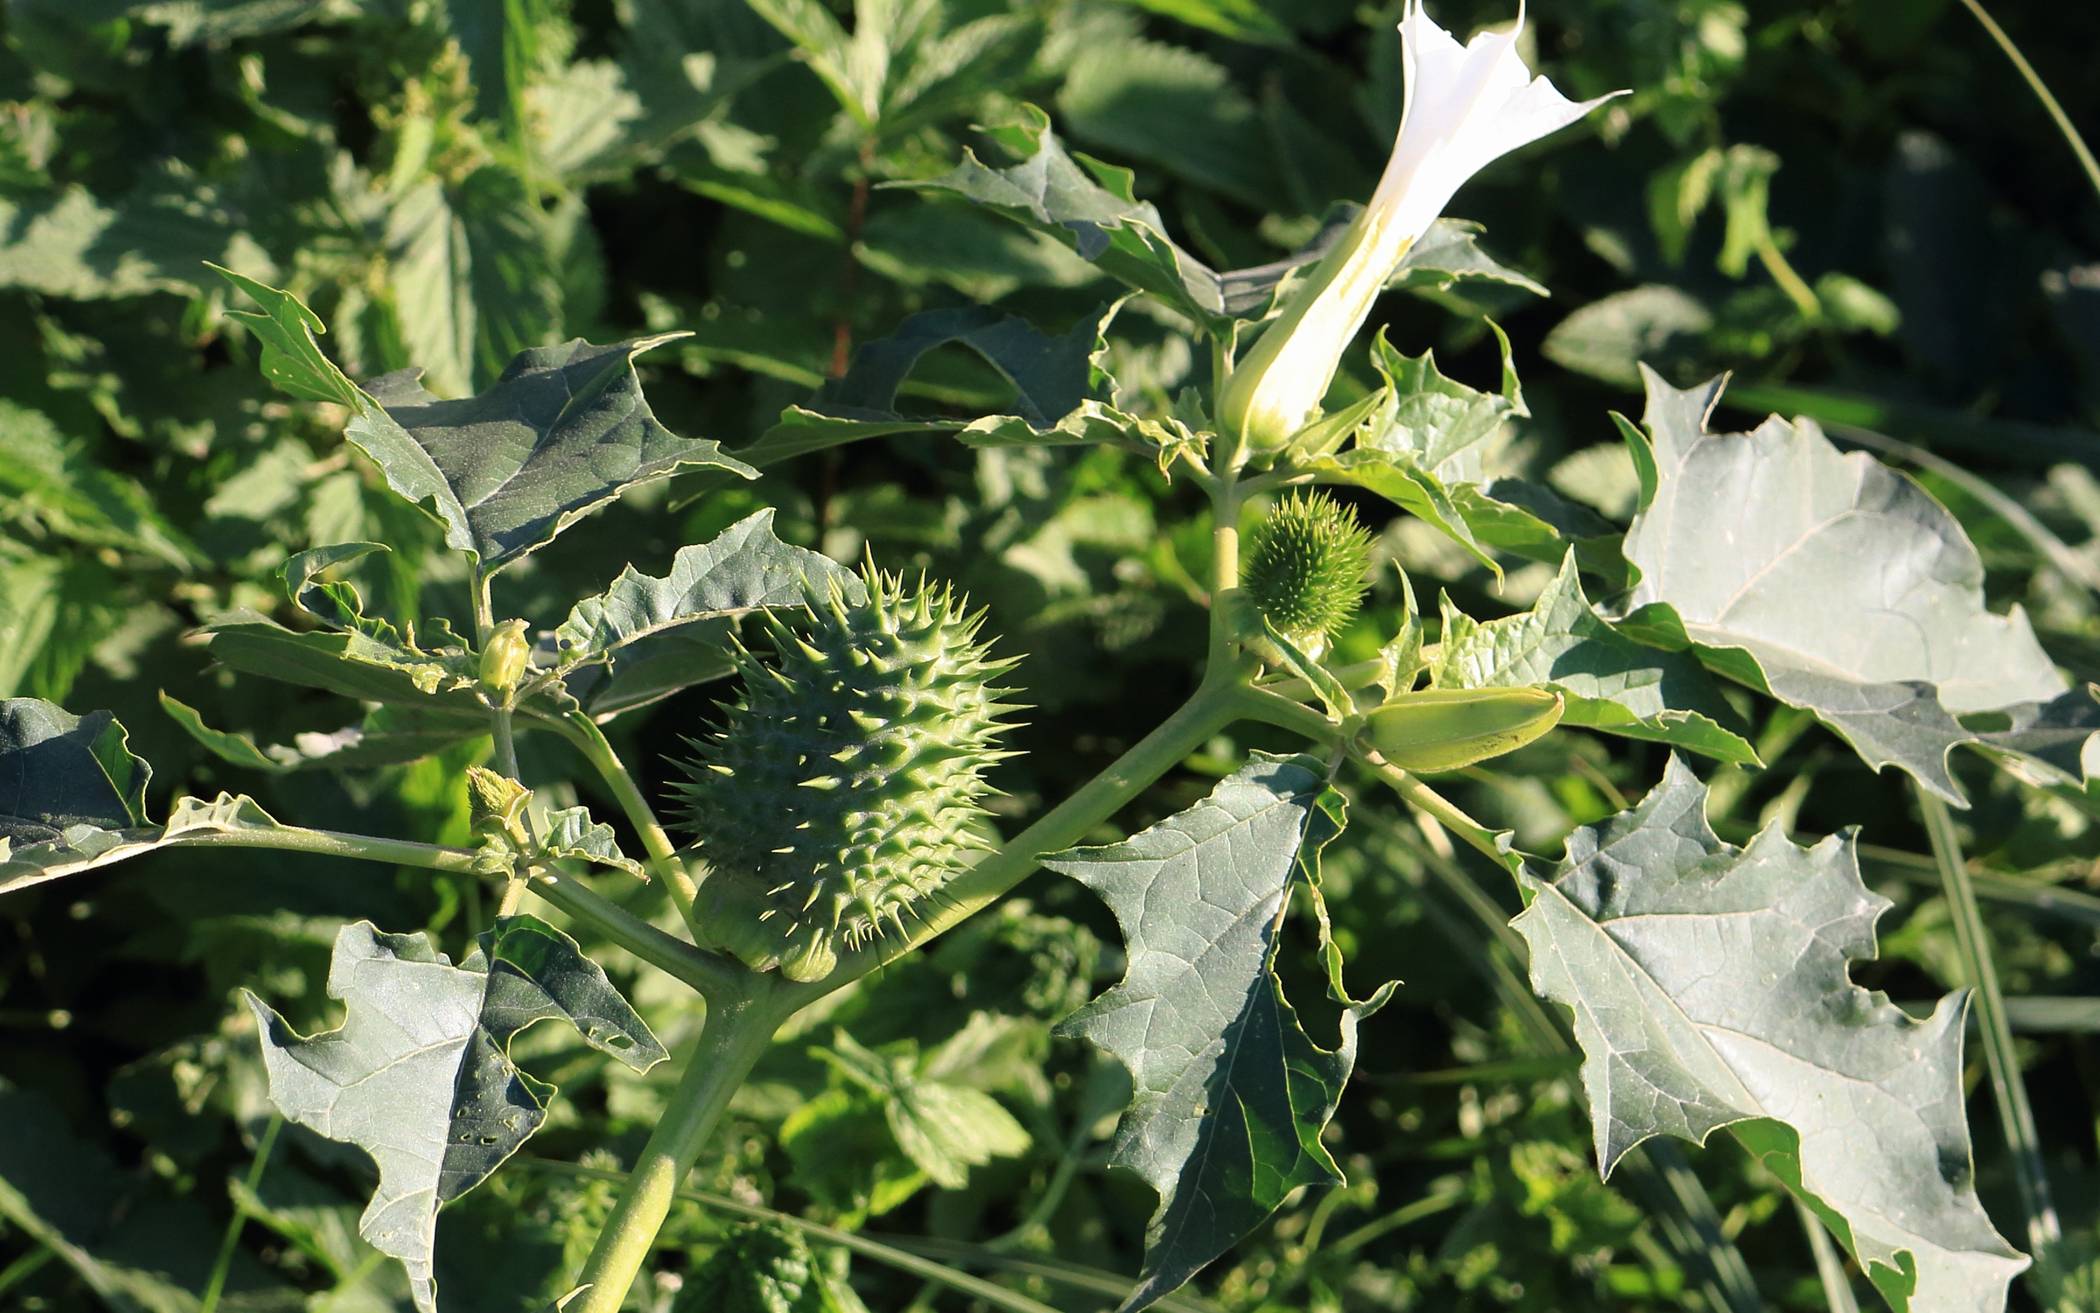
(833, 815)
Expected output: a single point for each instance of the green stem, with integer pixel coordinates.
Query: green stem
(2041, 92)
(1797, 290)
(711, 975)
(1445, 812)
(661, 853)
(735, 1036)
(2044, 1233)
(232, 1239)
(335, 843)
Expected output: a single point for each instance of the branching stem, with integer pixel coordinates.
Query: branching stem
(657, 848)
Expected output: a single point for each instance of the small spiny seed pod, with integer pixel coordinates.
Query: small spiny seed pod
(1305, 569)
(845, 786)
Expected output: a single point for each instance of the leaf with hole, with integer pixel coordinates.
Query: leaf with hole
(1709, 986)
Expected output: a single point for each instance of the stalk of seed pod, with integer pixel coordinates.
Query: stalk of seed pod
(845, 786)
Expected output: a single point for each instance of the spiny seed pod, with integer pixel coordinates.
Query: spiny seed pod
(1305, 569)
(844, 788)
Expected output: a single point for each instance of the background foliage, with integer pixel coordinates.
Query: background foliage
(1855, 204)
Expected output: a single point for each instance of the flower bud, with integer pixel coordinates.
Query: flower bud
(1449, 728)
(1465, 107)
(504, 658)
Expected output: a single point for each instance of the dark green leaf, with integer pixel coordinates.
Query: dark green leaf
(763, 1268)
(59, 771)
(1230, 1094)
(1060, 389)
(389, 735)
(563, 431)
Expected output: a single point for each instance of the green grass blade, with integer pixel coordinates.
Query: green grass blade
(2044, 1232)
(2041, 92)
(1830, 1264)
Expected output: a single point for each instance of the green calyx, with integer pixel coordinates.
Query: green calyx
(845, 787)
(1305, 568)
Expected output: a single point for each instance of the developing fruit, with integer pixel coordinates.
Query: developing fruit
(844, 787)
(1305, 569)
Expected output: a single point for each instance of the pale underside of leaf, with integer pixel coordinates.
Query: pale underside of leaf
(1829, 580)
(1709, 988)
(744, 568)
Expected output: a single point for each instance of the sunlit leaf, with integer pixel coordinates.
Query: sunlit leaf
(1753, 549)
(1611, 683)
(1709, 988)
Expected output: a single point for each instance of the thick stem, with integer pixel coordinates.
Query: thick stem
(709, 974)
(662, 854)
(736, 1034)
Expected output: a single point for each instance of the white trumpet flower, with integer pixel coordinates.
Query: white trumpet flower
(1465, 107)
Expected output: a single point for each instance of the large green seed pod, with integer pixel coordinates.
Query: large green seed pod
(1305, 569)
(844, 788)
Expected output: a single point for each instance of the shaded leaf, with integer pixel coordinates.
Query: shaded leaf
(1609, 339)
(564, 430)
(59, 772)
(944, 1128)
(70, 244)
(1709, 988)
(1749, 549)
(763, 1268)
(1449, 254)
(419, 1075)
(1061, 388)
(1091, 207)
(1173, 107)
(1230, 1094)
(388, 735)
(473, 275)
(85, 845)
